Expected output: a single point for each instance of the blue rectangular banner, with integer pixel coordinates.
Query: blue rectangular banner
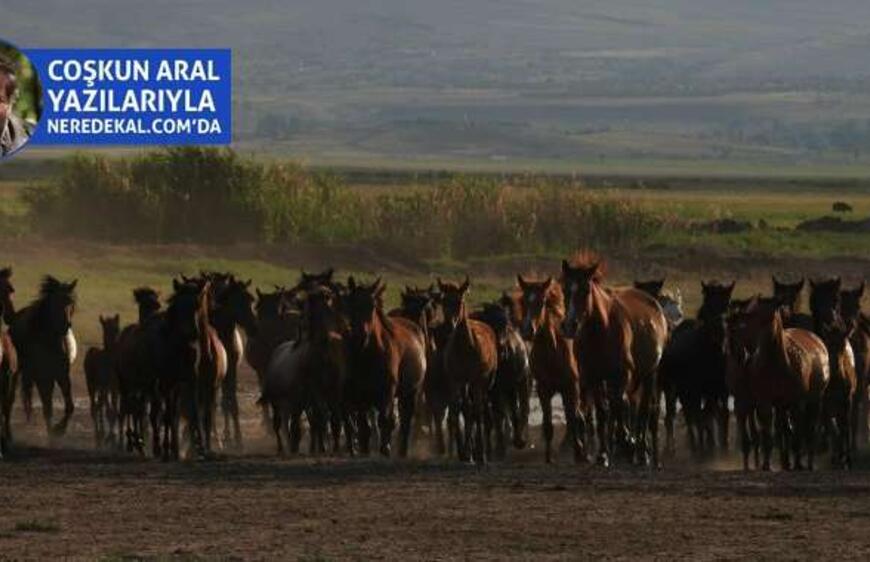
(134, 96)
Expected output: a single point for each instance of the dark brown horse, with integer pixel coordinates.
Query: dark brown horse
(102, 381)
(512, 389)
(278, 320)
(140, 357)
(619, 336)
(471, 363)
(232, 310)
(739, 348)
(840, 393)
(41, 334)
(824, 302)
(8, 370)
(554, 366)
(789, 294)
(789, 371)
(8, 360)
(693, 369)
(387, 358)
(859, 327)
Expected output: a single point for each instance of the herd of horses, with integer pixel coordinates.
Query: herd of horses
(331, 358)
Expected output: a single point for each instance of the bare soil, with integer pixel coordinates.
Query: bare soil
(68, 500)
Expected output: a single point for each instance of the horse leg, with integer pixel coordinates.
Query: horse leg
(498, 418)
(8, 402)
(743, 428)
(783, 435)
(724, 423)
(45, 387)
(765, 420)
(68, 403)
(95, 416)
(546, 397)
(483, 423)
(602, 423)
(438, 415)
(27, 394)
(365, 432)
(670, 414)
(653, 413)
(407, 409)
(155, 415)
(521, 412)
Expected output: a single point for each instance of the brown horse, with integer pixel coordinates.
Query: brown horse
(388, 361)
(619, 336)
(554, 366)
(840, 392)
(789, 371)
(824, 302)
(470, 361)
(102, 380)
(859, 325)
(789, 294)
(41, 334)
(194, 364)
(737, 376)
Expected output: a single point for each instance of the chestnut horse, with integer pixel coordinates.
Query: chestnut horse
(470, 361)
(840, 392)
(859, 326)
(789, 294)
(554, 366)
(102, 380)
(619, 336)
(789, 372)
(388, 361)
(42, 334)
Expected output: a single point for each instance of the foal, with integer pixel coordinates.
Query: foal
(102, 380)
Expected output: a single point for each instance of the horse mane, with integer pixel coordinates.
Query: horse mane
(587, 259)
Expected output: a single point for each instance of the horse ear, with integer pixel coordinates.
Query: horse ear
(521, 282)
(328, 273)
(176, 284)
(431, 288)
(730, 288)
(776, 282)
(465, 286)
(102, 320)
(117, 317)
(259, 294)
(860, 290)
(351, 283)
(377, 284)
(440, 284)
(247, 283)
(73, 284)
(566, 268)
(548, 283)
(380, 288)
(838, 282)
(800, 285)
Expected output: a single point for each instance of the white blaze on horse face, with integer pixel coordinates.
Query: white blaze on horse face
(71, 346)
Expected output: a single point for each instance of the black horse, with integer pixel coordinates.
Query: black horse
(693, 369)
(41, 333)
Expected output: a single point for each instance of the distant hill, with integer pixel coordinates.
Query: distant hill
(514, 81)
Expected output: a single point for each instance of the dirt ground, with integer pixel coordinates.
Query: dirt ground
(70, 501)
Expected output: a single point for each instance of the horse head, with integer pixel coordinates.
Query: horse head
(716, 298)
(6, 292)
(825, 299)
(418, 304)
(536, 297)
(111, 329)
(850, 302)
(148, 301)
(236, 299)
(453, 300)
(363, 303)
(788, 293)
(578, 284)
(57, 301)
(310, 281)
(187, 310)
(652, 287)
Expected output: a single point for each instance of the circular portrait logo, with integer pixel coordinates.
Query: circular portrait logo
(20, 99)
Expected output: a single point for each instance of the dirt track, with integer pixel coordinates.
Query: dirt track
(70, 501)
